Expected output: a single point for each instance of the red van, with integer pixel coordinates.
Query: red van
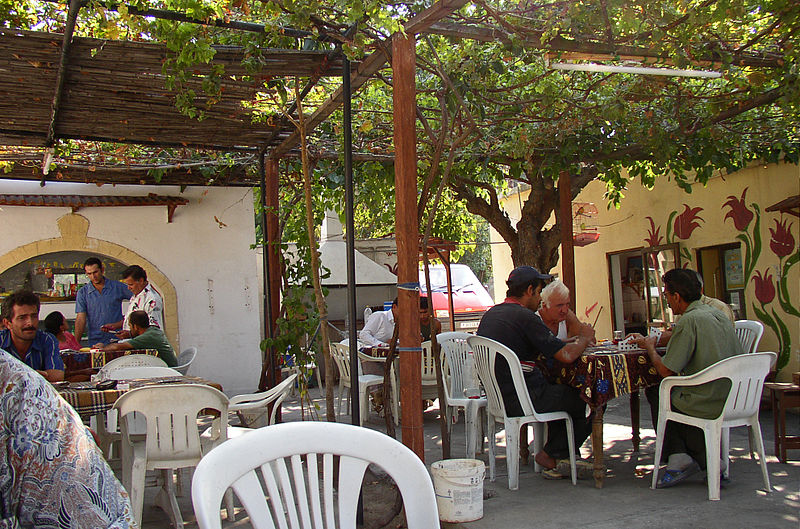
(470, 298)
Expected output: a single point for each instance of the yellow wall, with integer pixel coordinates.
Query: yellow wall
(628, 227)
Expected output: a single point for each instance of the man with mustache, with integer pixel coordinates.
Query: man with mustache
(23, 339)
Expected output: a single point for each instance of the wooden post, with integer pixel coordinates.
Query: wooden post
(567, 248)
(272, 273)
(407, 229)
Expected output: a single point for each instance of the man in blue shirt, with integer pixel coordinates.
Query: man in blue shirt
(98, 303)
(22, 338)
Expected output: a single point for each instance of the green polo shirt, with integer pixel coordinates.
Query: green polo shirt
(703, 336)
(154, 338)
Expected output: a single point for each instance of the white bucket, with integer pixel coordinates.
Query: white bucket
(458, 484)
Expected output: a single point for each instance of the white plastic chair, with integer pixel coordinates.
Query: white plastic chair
(130, 367)
(185, 359)
(172, 440)
(341, 355)
(395, 388)
(430, 390)
(260, 402)
(746, 373)
(128, 373)
(297, 462)
(749, 333)
(485, 352)
(134, 360)
(458, 368)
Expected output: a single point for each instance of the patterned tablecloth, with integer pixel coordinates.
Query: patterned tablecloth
(605, 374)
(89, 401)
(76, 361)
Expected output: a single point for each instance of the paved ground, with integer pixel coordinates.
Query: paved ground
(625, 501)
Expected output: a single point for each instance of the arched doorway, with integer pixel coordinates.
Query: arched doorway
(74, 229)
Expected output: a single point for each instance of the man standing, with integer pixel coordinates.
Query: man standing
(22, 338)
(555, 311)
(145, 298)
(145, 336)
(703, 336)
(98, 303)
(514, 323)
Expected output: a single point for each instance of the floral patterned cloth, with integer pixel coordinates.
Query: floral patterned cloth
(52, 474)
(150, 301)
(603, 375)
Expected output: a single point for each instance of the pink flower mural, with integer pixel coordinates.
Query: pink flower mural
(739, 213)
(765, 288)
(653, 235)
(686, 222)
(782, 241)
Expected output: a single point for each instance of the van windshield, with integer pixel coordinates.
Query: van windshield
(463, 278)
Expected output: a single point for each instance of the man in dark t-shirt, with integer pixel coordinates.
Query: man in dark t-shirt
(515, 324)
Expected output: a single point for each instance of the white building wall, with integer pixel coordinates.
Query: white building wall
(214, 271)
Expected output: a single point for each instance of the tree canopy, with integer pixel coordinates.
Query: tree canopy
(491, 107)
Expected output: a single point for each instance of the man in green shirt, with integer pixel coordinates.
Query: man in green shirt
(703, 336)
(145, 336)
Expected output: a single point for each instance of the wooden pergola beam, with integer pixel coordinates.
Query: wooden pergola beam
(368, 67)
(533, 39)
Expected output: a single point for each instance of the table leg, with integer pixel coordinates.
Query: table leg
(635, 420)
(782, 406)
(523, 445)
(774, 402)
(597, 447)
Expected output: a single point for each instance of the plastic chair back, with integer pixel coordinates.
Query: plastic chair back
(185, 359)
(262, 400)
(485, 352)
(341, 357)
(457, 364)
(173, 438)
(127, 373)
(134, 360)
(749, 333)
(746, 373)
(297, 462)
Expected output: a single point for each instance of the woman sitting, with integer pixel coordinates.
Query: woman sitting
(56, 324)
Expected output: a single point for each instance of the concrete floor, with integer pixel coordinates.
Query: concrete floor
(626, 499)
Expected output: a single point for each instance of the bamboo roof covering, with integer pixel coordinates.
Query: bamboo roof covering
(115, 91)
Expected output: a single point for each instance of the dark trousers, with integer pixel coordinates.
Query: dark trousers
(559, 397)
(679, 438)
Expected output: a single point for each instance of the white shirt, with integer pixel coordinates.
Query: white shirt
(378, 330)
(148, 300)
(562, 329)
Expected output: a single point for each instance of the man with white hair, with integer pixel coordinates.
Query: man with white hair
(556, 314)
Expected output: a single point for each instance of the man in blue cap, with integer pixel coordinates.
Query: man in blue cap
(515, 324)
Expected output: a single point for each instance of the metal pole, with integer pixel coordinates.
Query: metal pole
(350, 241)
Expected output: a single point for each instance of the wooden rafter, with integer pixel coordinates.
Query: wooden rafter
(533, 39)
(368, 67)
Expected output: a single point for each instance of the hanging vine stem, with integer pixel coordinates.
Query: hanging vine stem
(322, 308)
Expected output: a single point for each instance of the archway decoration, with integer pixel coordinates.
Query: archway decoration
(74, 236)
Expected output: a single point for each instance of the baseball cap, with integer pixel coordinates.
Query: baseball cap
(525, 275)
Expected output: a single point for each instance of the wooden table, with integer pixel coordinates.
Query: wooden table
(88, 401)
(602, 374)
(783, 395)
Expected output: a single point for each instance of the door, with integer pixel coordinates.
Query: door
(723, 275)
(659, 260)
(636, 287)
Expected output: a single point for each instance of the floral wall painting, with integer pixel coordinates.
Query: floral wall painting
(765, 267)
(768, 287)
